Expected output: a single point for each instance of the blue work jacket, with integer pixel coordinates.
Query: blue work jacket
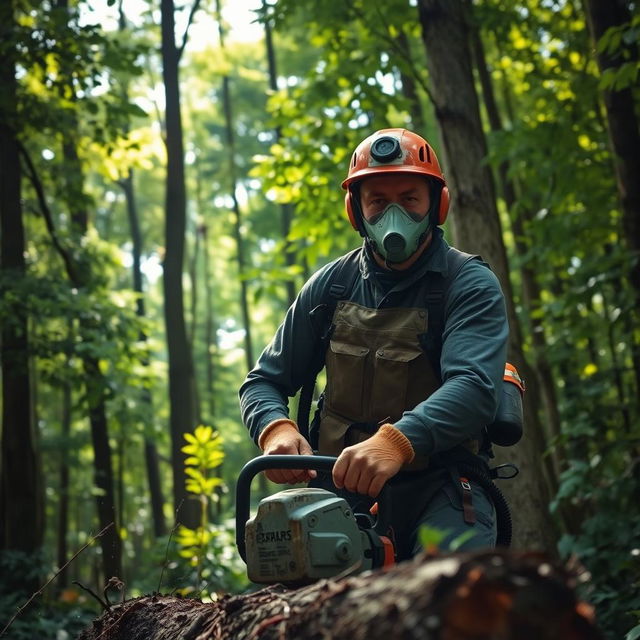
(474, 348)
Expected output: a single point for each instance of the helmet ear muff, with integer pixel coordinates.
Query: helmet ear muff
(352, 208)
(443, 207)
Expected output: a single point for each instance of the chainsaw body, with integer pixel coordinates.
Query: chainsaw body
(301, 535)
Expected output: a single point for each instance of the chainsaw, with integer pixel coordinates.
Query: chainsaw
(301, 535)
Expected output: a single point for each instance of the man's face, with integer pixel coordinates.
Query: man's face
(409, 191)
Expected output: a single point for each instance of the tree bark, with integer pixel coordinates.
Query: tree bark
(210, 334)
(624, 134)
(237, 227)
(286, 209)
(150, 449)
(21, 502)
(95, 385)
(482, 596)
(64, 493)
(410, 87)
(530, 289)
(181, 375)
(477, 229)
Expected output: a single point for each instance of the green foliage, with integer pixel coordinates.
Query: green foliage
(208, 549)
(344, 69)
(603, 491)
(47, 617)
(349, 89)
(620, 45)
(633, 634)
(204, 454)
(432, 539)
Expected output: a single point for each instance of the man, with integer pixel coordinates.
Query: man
(390, 410)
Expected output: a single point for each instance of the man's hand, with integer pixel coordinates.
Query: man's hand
(281, 437)
(366, 466)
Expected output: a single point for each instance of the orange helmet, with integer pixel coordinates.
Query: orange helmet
(394, 151)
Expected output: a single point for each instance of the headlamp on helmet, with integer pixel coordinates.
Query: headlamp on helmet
(385, 149)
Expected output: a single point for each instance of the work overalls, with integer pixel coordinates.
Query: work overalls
(377, 369)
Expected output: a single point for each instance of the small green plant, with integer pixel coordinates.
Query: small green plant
(204, 455)
(209, 549)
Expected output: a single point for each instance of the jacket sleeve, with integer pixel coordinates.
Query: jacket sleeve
(283, 366)
(474, 351)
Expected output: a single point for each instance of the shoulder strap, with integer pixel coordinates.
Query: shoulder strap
(339, 287)
(343, 277)
(435, 301)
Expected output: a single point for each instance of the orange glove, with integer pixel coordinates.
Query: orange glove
(366, 466)
(281, 437)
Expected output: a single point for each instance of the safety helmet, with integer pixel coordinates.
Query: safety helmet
(393, 151)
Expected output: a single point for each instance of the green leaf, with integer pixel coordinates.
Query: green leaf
(431, 538)
(633, 634)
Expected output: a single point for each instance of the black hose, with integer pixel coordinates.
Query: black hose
(504, 523)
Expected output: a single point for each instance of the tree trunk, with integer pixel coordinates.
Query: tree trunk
(477, 229)
(624, 134)
(150, 450)
(530, 288)
(286, 209)
(21, 503)
(210, 335)
(63, 492)
(231, 152)
(95, 385)
(480, 596)
(410, 88)
(181, 377)
(103, 476)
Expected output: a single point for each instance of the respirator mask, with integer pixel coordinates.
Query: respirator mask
(395, 233)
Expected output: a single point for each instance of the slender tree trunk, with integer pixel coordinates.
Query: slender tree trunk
(200, 255)
(286, 209)
(624, 135)
(194, 313)
(410, 89)
(95, 385)
(21, 503)
(233, 185)
(193, 281)
(181, 381)
(150, 449)
(95, 389)
(63, 506)
(210, 336)
(110, 542)
(477, 228)
(530, 288)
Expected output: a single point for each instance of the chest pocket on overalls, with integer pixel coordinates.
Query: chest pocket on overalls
(395, 370)
(345, 385)
(376, 368)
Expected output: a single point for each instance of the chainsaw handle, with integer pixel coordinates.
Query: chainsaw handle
(263, 463)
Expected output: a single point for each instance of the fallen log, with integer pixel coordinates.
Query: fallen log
(494, 595)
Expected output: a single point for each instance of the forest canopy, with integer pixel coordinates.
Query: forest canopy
(169, 178)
